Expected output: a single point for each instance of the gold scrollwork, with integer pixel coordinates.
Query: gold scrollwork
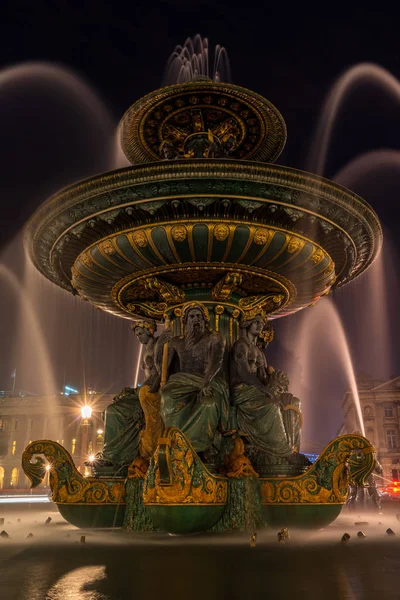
(166, 291)
(347, 458)
(224, 288)
(67, 484)
(255, 305)
(190, 482)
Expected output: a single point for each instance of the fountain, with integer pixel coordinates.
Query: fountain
(205, 234)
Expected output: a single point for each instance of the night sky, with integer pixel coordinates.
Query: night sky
(53, 134)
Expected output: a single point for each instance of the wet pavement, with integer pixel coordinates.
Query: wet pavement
(111, 565)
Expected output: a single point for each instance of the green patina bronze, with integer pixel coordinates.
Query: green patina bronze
(202, 235)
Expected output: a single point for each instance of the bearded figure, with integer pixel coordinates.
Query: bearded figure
(195, 398)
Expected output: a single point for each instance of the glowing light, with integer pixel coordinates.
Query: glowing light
(91, 458)
(100, 431)
(86, 412)
(48, 467)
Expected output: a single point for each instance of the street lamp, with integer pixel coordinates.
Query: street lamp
(86, 412)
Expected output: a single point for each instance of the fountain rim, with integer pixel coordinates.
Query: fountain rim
(228, 169)
(70, 192)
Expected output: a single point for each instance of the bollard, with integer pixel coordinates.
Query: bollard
(30, 535)
(253, 540)
(398, 517)
(361, 534)
(345, 538)
(47, 521)
(283, 535)
(1, 520)
(83, 539)
(390, 531)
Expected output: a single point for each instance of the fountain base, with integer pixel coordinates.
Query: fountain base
(179, 495)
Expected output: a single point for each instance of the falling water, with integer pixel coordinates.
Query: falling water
(345, 84)
(31, 334)
(139, 360)
(378, 286)
(321, 342)
(192, 60)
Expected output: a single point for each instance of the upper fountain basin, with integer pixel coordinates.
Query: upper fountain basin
(278, 233)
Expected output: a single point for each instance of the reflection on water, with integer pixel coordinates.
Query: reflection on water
(332, 571)
(79, 584)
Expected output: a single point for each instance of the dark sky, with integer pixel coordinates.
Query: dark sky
(52, 135)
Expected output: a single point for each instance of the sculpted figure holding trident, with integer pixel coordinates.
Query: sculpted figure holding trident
(195, 398)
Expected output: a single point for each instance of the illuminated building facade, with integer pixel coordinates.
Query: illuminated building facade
(380, 406)
(63, 418)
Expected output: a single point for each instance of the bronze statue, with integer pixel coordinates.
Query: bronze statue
(132, 409)
(195, 397)
(256, 393)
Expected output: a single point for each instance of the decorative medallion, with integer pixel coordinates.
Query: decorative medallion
(295, 244)
(140, 239)
(261, 236)
(179, 233)
(221, 232)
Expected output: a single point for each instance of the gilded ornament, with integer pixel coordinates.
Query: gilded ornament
(224, 288)
(236, 463)
(108, 248)
(317, 257)
(267, 334)
(179, 233)
(221, 232)
(149, 324)
(330, 268)
(68, 486)
(177, 476)
(235, 313)
(165, 291)
(219, 309)
(140, 239)
(86, 259)
(261, 236)
(178, 312)
(295, 244)
(348, 458)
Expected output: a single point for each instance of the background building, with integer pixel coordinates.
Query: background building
(25, 418)
(380, 407)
